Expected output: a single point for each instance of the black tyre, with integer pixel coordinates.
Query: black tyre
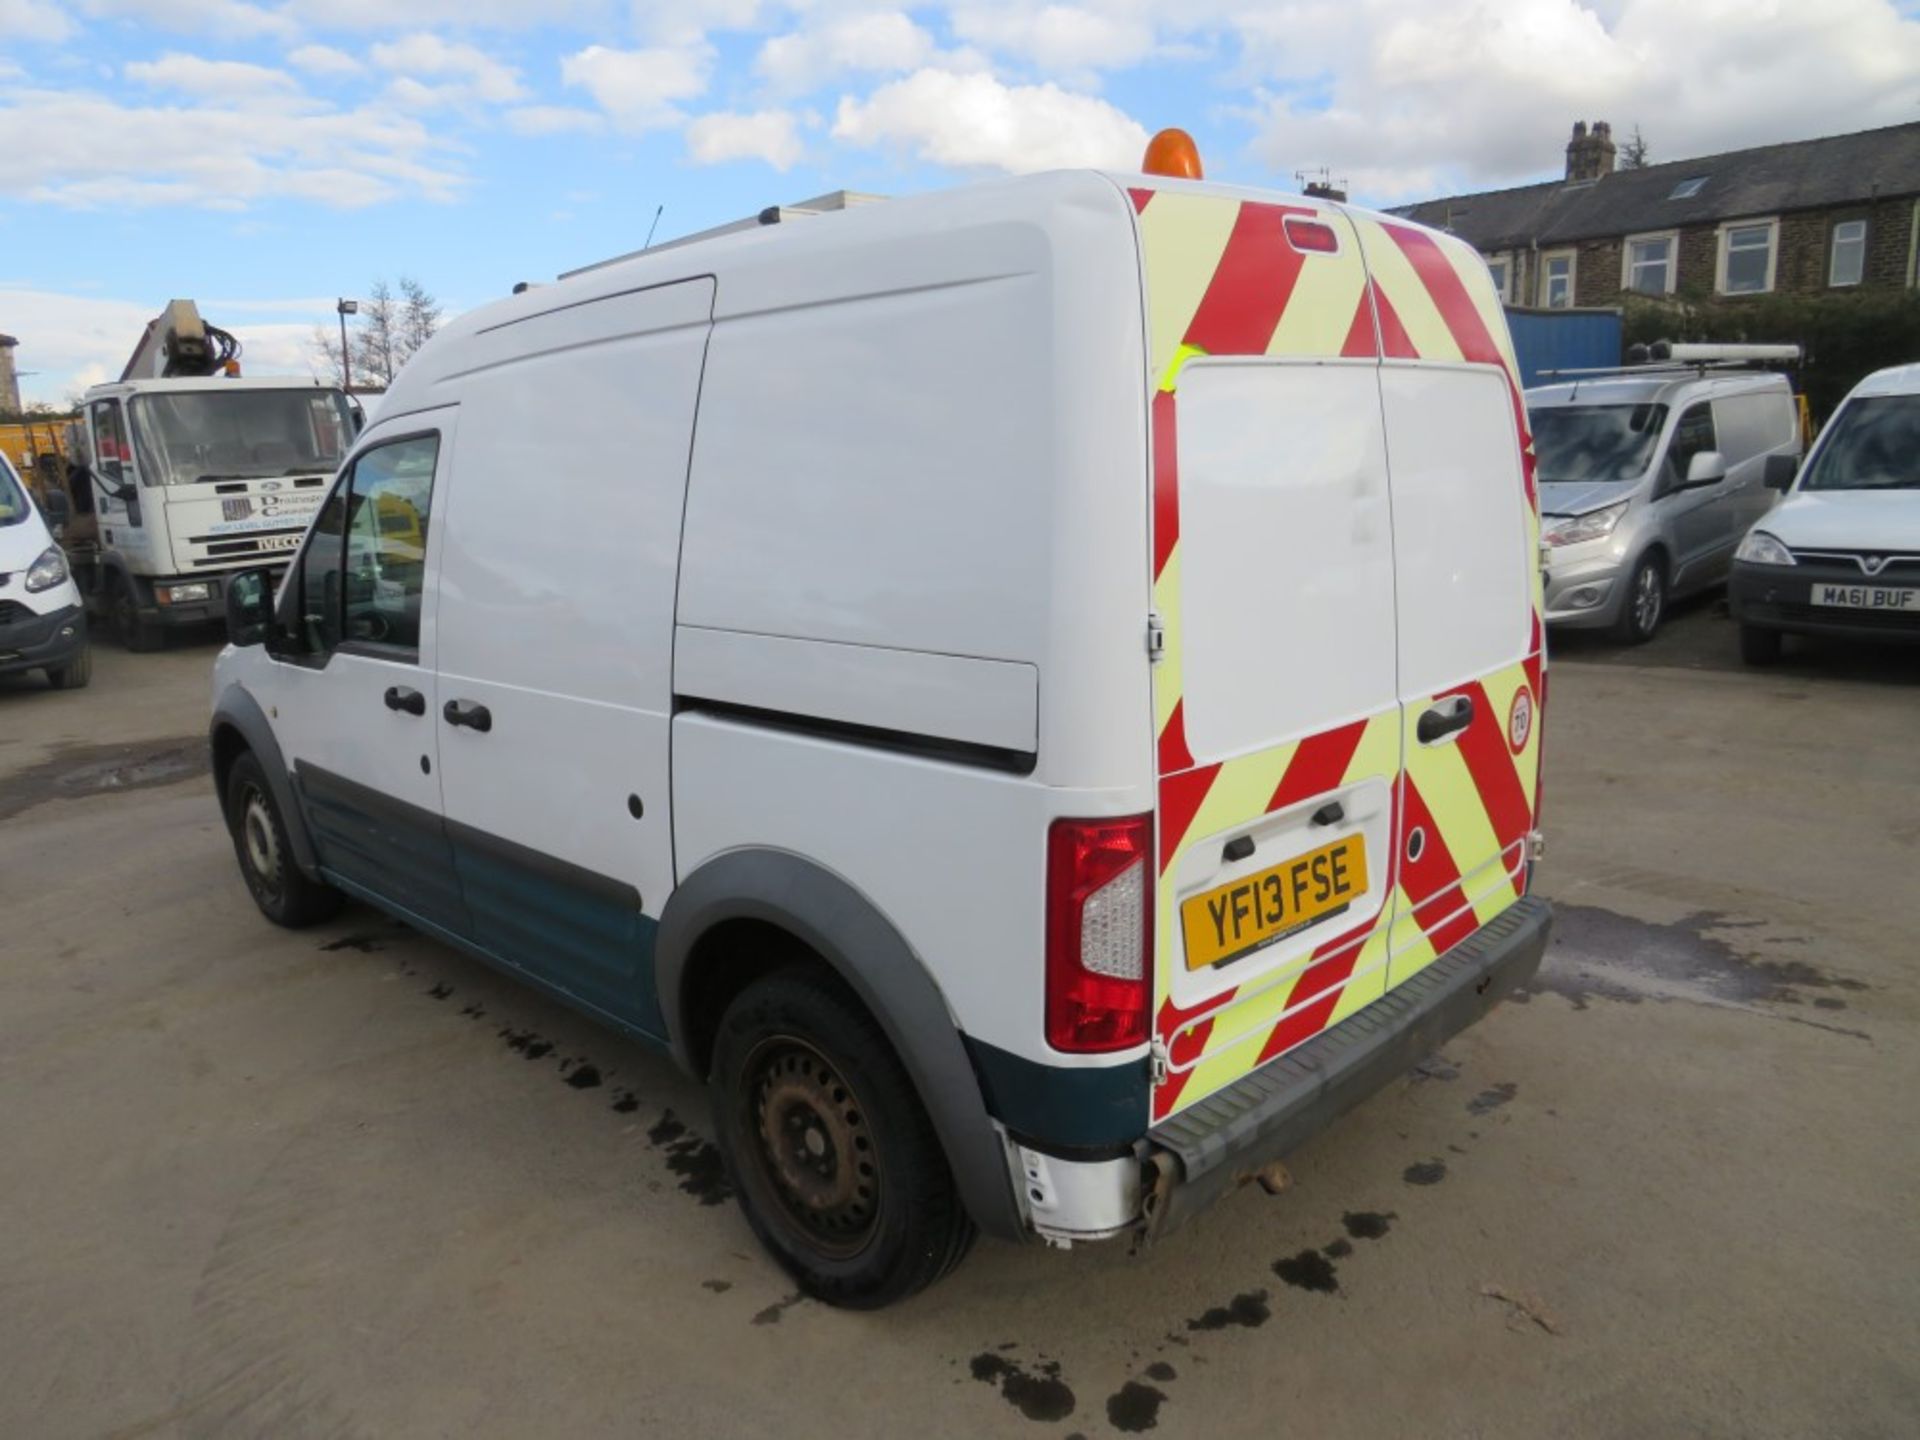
(73, 675)
(284, 895)
(835, 1162)
(1759, 646)
(123, 614)
(1644, 605)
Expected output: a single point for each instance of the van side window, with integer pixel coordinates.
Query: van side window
(388, 498)
(110, 452)
(320, 576)
(1692, 436)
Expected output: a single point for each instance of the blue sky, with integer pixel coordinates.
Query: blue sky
(265, 156)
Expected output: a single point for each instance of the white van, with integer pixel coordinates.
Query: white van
(1841, 556)
(1030, 692)
(43, 625)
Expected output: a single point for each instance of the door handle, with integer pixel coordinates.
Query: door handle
(1449, 717)
(470, 713)
(399, 697)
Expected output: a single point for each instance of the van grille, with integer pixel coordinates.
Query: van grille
(1900, 567)
(12, 612)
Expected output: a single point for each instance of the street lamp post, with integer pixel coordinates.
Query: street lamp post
(346, 308)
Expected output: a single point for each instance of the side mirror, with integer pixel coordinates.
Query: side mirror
(1780, 471)
(1709, 467)
(249, 607)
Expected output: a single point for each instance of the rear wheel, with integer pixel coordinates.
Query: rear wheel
(74, 674)
(1645, 603)
(284, 895)
(835, 1162)
(123, 613)
(1758, 646)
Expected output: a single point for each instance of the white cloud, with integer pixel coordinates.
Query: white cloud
(209, 79)
(640, 89)
(769, 135)
(883, 41)
(977, 122)
(33, 20)
(468, 71)
(389, 15)
(1413, 99)
(225, 18)
(554, 120)
(85, 151)
(1061, 38)
(323, 60)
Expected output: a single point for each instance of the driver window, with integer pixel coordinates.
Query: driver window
(110, 452)
(388, 497)
(1692, 436)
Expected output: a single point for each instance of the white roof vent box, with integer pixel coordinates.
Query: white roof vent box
(827, 204)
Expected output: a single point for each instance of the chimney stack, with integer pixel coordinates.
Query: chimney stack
(1590, 154)
(9, 379)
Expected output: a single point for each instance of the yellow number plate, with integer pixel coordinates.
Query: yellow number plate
(1256, 910)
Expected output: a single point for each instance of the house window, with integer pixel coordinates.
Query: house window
(1849, 253)
(1556, 279)
(1687, 189)
(1648, 264)
(1500, 267)
(1747, 254)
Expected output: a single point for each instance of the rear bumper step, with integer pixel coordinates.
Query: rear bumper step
(1226, 1139)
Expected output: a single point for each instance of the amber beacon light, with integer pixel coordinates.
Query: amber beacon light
(1172, 152)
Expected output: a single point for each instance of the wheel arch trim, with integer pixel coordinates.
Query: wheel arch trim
(864, 949)
(239, 712)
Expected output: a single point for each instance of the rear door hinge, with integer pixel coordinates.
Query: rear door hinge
(1158, 1062)
(1156, 638)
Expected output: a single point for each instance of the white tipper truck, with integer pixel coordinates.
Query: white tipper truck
(194, 474)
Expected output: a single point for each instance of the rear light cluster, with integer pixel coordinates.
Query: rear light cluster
(1099, 933)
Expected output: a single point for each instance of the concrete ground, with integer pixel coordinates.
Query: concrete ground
(350, 1183)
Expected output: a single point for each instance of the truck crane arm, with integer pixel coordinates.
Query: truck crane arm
(177, 343)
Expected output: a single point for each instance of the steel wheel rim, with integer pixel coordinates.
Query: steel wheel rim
(1646, 600)
(811, 1144)
(259, 838)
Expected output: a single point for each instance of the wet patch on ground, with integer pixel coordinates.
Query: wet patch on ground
(1134, 1407)
(1249, 1309)
(1425, 1172)
(584, 1077)
(771, 1315)
(1368, 1224)
(1309, 1270)
(1598, 954)
(77, 772)
(1037, 1393)
(1492, 1098)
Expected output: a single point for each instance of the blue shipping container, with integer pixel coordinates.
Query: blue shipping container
(1545, 340)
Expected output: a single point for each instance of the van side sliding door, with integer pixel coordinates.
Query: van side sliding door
(556, 635)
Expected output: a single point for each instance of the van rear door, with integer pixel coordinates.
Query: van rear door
(1466, 533)
(1276, 697)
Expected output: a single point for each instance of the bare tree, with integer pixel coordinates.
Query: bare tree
(383, 336)
(1634, 154)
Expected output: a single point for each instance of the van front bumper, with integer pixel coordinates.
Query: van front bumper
(1583, 592)
(32, 642)
(1226, 1139)
(1779, 597)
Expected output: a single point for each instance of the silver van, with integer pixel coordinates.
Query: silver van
(1647, 482)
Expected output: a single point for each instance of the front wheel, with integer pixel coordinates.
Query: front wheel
(1645, 604)
(142, 637)
(1758, 646)
(284, 894)
(73, 675)
(835, 1162)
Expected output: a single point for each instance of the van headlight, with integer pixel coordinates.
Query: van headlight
(1578, 529)
(1760, 548)
(48, 570)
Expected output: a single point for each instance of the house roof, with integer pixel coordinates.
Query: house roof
(1801, 175)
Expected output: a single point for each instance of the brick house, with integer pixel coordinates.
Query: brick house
(1834, 214)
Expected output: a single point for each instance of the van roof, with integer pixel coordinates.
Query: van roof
(779, 266)
(1666, 387)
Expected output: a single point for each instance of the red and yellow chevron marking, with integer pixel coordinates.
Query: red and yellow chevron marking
(1222, 279)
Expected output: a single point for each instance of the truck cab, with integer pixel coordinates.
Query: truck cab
(193, 479)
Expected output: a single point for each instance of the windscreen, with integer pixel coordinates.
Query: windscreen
(1875, 445)
(14, 505)
(193, 436)
(1587, 443)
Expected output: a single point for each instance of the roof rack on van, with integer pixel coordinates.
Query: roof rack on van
(773, 215)
(1666, 358)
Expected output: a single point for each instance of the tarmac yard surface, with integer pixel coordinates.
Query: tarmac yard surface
(347, 1182)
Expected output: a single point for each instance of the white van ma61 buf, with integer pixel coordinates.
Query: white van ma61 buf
(1032, 693)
